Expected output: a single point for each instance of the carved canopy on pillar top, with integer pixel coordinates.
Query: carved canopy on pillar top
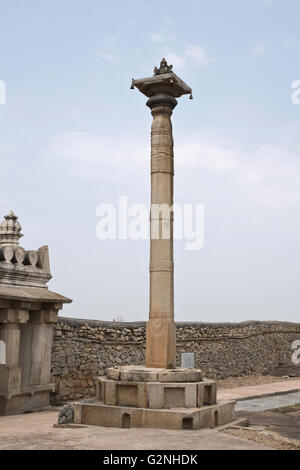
(161, 82)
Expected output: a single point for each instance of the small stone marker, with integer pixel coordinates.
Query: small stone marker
(187, 360)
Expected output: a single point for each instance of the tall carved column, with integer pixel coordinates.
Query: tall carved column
(162, 89)
(161, 329)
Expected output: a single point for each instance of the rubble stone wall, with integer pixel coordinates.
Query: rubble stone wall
(83, 349)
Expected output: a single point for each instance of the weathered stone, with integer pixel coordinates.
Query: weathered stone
(180, 375)
(66, 415)
(221, 349)
(187, 360)
(27, 311)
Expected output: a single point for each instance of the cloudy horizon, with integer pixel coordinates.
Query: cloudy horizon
(73, 136)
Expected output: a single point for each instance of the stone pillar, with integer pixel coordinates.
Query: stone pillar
(161, 329)
(162, 89)
(37, 344)
(10, 372)
(41, 345)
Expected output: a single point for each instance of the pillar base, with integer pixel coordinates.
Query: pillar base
(10, 378)
(161, 343)
(137, 396)
(34, 398)
(98, 414)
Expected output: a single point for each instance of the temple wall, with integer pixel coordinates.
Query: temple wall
(82, 349)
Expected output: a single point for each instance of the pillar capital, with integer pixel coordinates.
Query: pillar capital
(161, 103)
(43, 316)
(10, 315)
(164, 81)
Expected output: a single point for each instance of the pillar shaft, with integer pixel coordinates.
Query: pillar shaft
(161, 330)
(41, 344)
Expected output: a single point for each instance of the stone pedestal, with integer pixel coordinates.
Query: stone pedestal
(136, 396)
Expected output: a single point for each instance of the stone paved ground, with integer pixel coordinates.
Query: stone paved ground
(268, 403)
(35, 431)
(249, 380)
(285, 422)
(253, 391)
(265, 437)
(279, 428)
(273, 421)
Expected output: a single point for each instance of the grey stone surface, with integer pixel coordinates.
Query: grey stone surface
(35, 431)
(268, 403)
(66, 415)
(188, 360)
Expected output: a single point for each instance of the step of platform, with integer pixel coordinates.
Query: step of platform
(99, 414)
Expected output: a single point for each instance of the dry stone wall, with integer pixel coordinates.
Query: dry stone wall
(83, 349)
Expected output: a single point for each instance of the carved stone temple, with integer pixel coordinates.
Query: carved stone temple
(28, 311)
(158, 395)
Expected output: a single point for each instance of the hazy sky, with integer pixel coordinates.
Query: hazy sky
(73, 135)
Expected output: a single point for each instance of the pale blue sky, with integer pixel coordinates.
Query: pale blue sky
(73, 135)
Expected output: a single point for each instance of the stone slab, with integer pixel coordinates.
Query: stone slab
(180, 375)
(98, 414)
(136, 373)
(22, 403)
(156, 395)
(188, 360)
(31, 293)
(268, 403)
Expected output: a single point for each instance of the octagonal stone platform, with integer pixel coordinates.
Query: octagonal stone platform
(135, 373)
(137, 396)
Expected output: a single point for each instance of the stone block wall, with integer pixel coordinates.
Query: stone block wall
(83, 349)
